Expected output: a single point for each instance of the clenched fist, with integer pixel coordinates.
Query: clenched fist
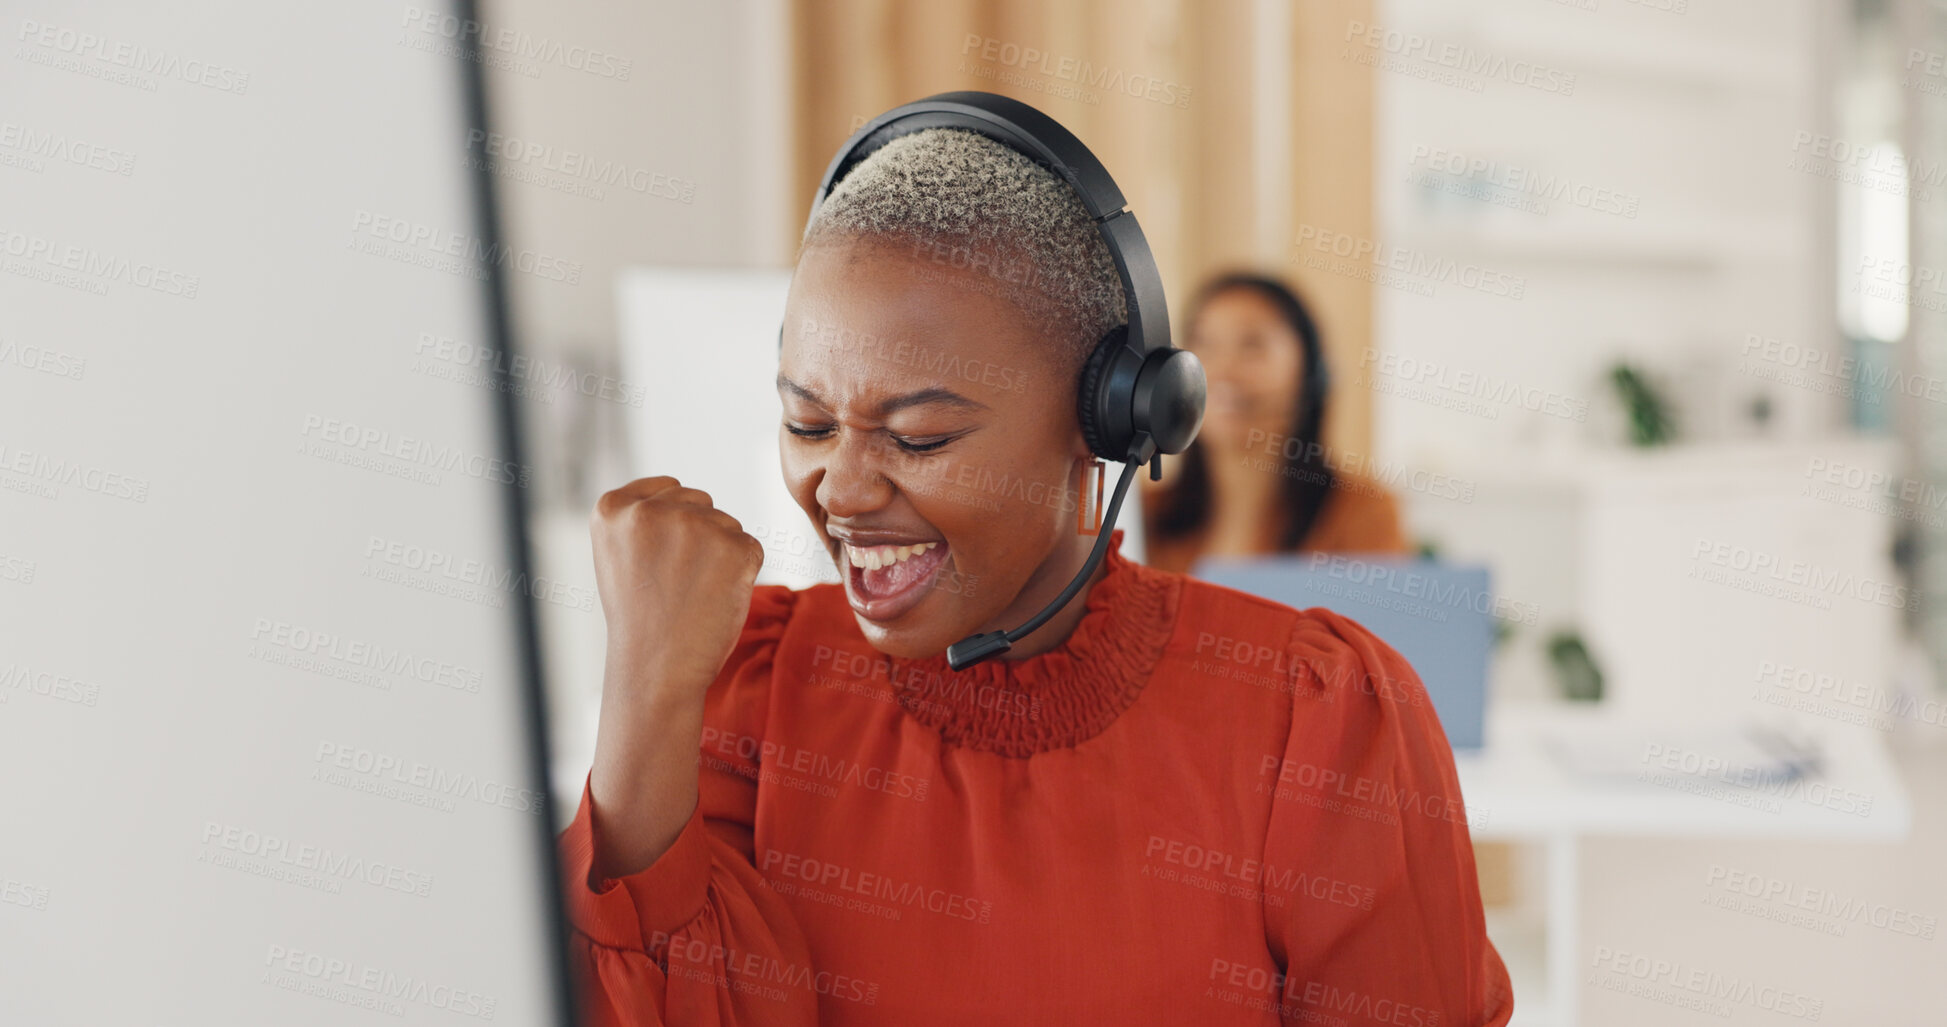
(675, 575)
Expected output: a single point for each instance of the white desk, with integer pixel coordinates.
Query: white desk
(1517, 790)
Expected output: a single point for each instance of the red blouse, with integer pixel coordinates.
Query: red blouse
(1202, 808)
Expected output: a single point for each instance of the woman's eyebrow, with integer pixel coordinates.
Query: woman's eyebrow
(932, 394)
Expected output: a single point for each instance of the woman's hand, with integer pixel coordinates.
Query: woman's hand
(675, 576)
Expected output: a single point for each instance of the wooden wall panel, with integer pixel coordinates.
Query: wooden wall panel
(1331, 186)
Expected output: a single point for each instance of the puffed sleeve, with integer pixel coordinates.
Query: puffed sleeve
(697, 937)
(1375, 916)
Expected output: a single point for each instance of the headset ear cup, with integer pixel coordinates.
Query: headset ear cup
(1169, 398)
(1088, 396)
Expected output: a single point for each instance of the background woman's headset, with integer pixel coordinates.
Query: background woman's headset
(1140, 397)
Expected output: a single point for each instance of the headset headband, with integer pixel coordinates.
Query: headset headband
(1043, 140)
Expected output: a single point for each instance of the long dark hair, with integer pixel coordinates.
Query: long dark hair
(1306, 479)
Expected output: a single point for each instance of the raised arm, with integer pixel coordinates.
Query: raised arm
(671, 922)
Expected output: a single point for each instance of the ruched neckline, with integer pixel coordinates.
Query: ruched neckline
(1064, 696)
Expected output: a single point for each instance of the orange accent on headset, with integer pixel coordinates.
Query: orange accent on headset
(1081, 509)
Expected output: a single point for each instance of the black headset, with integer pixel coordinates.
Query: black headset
(1140, 397)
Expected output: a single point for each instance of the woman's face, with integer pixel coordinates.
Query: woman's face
(929, 432)
(1254, 363)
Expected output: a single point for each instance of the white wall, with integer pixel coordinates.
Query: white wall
(1674, 132)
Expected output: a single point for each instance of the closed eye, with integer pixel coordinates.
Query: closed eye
(925, 445)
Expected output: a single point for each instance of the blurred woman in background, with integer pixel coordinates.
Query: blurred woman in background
(1257, 479)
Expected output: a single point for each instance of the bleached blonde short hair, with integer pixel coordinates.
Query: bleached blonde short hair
(965, 202)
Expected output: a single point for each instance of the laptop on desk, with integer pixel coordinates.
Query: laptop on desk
(1439, 616)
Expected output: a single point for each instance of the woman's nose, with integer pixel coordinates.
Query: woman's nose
(858, 475)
